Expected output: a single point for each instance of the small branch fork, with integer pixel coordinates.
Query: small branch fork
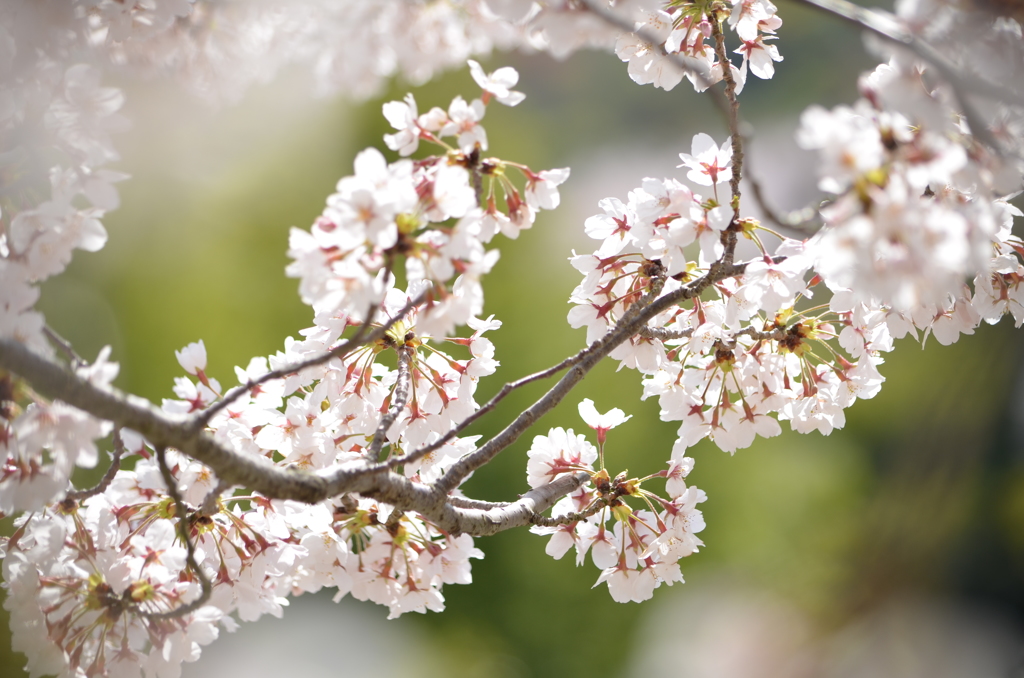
(416, 455)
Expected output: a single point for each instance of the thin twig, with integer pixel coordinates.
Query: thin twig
(466, 502)
(64, 345)
(360, 338)
(570, 518)
(401, 396)
(418, 454)
(108, 477)
(190, 549)
(526, 509)
(777, 334)
(733, 116)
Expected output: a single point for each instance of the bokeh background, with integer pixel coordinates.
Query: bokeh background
(894, 547)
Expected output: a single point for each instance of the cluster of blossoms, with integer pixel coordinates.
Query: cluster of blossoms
(642, 548)
(86, 585)
(219, 49)
(92, 584)
(137, 574)
(326, 417)
(678, 34)
(920, 208)
(723, 360)
(387, 212)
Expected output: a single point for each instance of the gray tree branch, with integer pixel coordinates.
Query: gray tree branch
(232, 468)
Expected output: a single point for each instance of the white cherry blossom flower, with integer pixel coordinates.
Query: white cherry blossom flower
(560, 451)
(646, 63)
(403, 116)
(602, 423)
(612, 228)
(192, 358)
(708, 163)
(848, 139)
(498, 84)
(464, 123)
(542, 188)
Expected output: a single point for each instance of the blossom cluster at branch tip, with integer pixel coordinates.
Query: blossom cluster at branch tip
(640, 550)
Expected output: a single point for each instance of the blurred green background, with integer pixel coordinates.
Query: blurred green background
(919, 498)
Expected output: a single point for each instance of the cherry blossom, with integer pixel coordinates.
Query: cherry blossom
(192, 358)
(498, 84)
(542, 188)
(402, 115)
(646, 64)
(602, 423)
(709, 165)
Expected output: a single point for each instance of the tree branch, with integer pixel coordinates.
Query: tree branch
(527, 509)
(804, 221)
(64, 345)
(733, 117)
(159, 428)
(570, 518)
(663, 334)
(401, 396)
(259, 474)
(466, 502)
(108, 477)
